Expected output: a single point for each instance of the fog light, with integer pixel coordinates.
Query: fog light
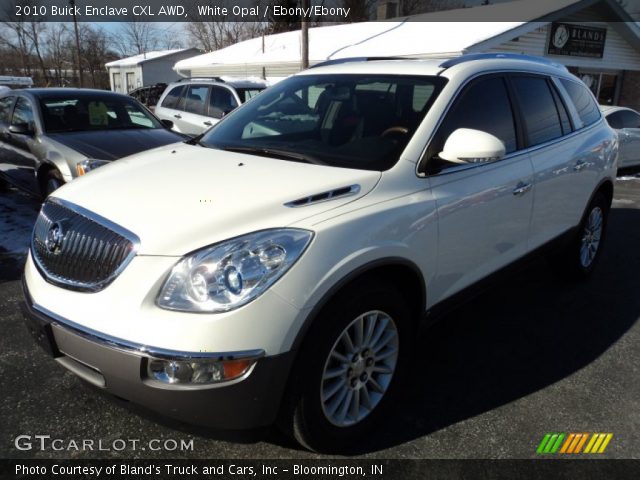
(197, 372)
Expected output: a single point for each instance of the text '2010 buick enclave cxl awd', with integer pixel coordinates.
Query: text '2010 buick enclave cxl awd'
(276, 268)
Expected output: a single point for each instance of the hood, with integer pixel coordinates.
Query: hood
(184, 197)
(114, 144)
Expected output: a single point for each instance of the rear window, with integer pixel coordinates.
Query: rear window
(583, 101)
(246, 94)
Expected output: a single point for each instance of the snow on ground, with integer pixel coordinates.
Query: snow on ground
(18, 213)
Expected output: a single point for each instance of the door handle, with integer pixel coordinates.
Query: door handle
(177, 116)
(521, 188)
(208, 123)
(580, 164)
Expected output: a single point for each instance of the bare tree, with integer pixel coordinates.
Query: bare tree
(35, 31)
(212, 36)
(134, 38)
(95, 53)
(13, 36)
(56, 51)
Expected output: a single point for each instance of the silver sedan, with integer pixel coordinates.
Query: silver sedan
(626, 122)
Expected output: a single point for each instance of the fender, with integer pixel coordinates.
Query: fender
(360, 271)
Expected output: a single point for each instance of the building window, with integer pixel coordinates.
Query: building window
(604, 85)
(117, 85)
(131, 82)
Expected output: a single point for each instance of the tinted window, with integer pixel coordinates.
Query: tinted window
(221, 102)
(196, 99)
(583, 101)
(538, 109)
(23, 113)
(247, 93)
(630, 119)
(483, 106)
(173, 97)
(5, 108)
(615, 120)
(562, 111)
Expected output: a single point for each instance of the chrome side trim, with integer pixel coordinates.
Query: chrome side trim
(324, 196)
(140, 350)
(104, 222)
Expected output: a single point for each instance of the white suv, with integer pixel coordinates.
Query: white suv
(279, 266)
(195, 104)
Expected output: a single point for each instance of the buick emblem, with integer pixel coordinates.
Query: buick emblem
(54, 239)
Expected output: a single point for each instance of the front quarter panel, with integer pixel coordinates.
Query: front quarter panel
(400, 230)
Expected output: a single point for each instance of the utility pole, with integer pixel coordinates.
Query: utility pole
(75, 27)
(305, 36)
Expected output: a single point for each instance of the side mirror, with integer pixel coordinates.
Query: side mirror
(167, 123)
(21, 129)
(466, 145)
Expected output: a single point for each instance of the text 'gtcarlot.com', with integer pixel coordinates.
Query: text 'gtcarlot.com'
(45, 442)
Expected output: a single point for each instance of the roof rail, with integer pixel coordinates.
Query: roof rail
(216, 79)
(338, 61)
(468, 57)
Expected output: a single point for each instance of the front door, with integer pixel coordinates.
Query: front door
(18, 160)
(484, 210)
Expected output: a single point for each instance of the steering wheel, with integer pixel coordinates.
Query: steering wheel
(395, 130)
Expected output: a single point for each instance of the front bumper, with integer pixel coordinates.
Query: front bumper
(120, 367)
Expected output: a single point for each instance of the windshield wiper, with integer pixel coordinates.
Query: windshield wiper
(275, 153)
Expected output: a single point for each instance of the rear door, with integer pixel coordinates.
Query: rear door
(195, 118)
(565, 145)
(545, 122)
(172, 105)
(483, 209)
(221, 102)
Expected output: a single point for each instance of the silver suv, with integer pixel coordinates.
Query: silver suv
(195, 104)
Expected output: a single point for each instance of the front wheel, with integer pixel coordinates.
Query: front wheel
(52, 182)
(349, 368)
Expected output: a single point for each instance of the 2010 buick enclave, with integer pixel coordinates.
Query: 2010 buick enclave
(277, 267)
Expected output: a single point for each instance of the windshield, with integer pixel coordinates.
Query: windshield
(351, 121)
(94, 112)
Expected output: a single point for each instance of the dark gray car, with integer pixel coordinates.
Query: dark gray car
(49, 136)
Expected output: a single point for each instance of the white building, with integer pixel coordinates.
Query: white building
(146, 69)
(606, 54)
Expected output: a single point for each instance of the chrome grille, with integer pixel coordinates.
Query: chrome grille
(78, 249)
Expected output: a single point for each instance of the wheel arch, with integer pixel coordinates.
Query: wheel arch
(399, 271)
(47, 166)
(606, 188)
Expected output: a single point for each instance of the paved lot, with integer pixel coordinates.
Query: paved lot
(533, 355)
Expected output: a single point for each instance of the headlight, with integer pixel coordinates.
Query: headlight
(88, 165)
(232, 273)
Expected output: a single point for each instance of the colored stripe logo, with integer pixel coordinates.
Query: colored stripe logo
(574, 443)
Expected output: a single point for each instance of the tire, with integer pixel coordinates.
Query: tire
(581, 256)
(320, 408)
(52, 181)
